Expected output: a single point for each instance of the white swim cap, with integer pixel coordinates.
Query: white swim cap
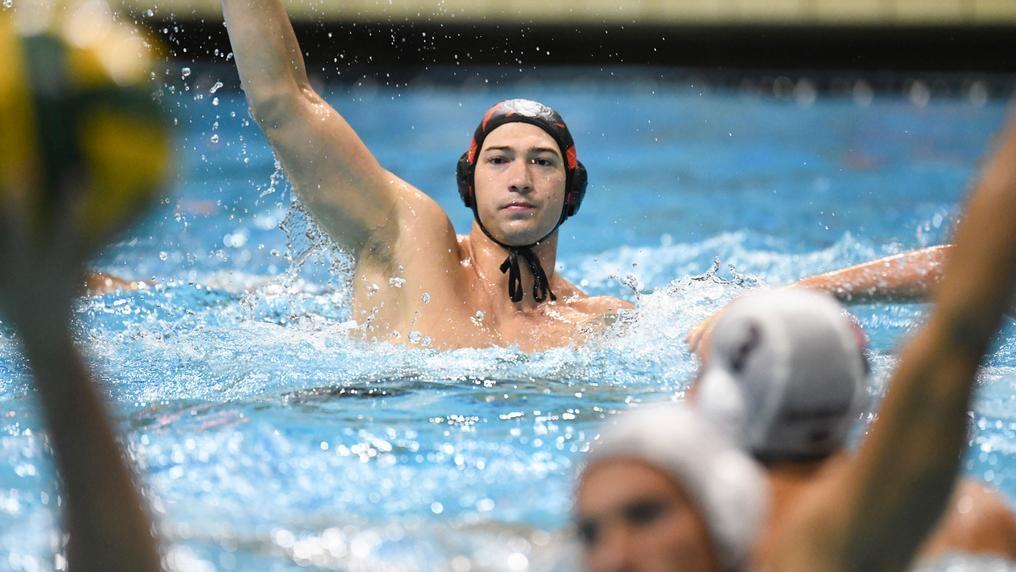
(728, 487)
(785, 373)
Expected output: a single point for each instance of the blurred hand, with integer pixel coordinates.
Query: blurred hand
(698, 336)
(80, 158)
(102, 283)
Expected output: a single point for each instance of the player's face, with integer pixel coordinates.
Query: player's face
(633, 518)
(519, 181)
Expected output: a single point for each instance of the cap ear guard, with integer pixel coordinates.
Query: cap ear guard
(577, 192)
(722, 399)
(464, 178)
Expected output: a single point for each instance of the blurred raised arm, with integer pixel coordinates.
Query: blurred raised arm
(108, 525)
(333, 172)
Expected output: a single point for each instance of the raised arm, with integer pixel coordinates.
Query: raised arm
(335, 174)
(892, 494)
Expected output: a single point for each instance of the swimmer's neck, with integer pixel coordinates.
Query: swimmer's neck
(790, 471)
(491, 289)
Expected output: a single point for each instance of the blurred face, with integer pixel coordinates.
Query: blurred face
(632, 517)
(519, 180)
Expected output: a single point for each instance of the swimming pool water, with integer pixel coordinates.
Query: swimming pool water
(268, 439)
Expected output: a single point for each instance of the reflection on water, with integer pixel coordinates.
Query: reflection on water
(269, 438)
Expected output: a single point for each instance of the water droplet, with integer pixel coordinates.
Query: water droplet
(163, 256)
(185, 73)
(425, 298)
(216, 87)
(214, 138)
(415, 336)
(215, 101)
(8, 4)
(149, 13)
(372, 289)
(396, 282)
(477, 318)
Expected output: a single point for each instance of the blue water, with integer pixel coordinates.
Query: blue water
(268, 439)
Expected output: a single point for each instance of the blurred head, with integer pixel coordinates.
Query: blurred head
(521, 175)
(785, 374)
(664, 490)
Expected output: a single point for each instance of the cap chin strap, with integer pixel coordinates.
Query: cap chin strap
(541, 284)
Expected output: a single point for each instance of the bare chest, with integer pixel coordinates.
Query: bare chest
(449, 312)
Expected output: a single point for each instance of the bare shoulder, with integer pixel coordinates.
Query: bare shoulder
(595, 307)
(805, 534)
(597, 313)
(985, 507)
(978, 520)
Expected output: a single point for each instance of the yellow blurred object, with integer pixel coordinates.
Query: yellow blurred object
(128, 158)
(82, 141)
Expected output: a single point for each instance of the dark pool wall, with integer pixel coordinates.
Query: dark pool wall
(334, 46)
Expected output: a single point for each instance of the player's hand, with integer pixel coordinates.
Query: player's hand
(698, 336)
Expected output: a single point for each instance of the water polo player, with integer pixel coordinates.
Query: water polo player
(521, 176)
(786, 374)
